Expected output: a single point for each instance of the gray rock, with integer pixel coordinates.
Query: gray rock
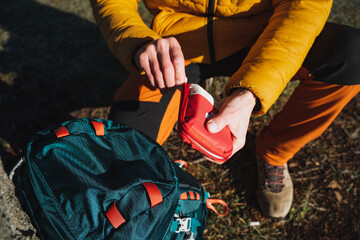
(14, 222)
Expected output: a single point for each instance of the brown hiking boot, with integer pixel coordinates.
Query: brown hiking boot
(275, 189)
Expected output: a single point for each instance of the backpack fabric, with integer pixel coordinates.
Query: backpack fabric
(93, 179)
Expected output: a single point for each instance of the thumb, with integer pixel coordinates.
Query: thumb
(216, 124)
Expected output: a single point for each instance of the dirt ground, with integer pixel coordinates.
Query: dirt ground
(55, 66)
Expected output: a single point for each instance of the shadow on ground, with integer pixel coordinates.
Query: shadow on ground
(243, 171)
(53, 65)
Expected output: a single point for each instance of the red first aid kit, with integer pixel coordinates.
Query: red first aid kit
(197, 106)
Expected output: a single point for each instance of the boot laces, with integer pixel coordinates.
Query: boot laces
(274, 176)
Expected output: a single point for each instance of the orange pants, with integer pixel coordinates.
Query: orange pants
(306, 115)
(145, 108)
(333, 62)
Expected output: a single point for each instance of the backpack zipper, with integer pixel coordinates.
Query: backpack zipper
(210, 30)
(19, 163)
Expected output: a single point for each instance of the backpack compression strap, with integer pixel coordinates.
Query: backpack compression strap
(153, 192)
(98, 127)
(61, 132)
(115, 217)
(190, 196)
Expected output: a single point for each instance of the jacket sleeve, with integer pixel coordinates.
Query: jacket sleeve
(281, 49)
(123, 29)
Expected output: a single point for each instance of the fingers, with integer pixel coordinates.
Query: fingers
(222, 119)
(163, 63)
(217, 123)
(235, 113)
(166, 67)
(238, 127)
(178, 62)
(142, 61)
(240, 138)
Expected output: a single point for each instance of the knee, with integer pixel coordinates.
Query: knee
(351, 50)
(338, 49)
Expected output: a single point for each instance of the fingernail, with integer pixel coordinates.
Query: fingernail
(211, 126)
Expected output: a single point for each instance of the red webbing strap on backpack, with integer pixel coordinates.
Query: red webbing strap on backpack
(115, 217)
(192, 195)
(210, 202)
(183, 196)
(61, 132)
(99, 128)
(153, 192)
(197, 196)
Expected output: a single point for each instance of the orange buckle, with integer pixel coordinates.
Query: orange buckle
(182, 163)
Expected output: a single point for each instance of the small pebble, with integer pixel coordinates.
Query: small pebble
(254, 224)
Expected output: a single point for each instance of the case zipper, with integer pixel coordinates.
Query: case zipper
(205, 150)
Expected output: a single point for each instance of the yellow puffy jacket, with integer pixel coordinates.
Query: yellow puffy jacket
(279, 32)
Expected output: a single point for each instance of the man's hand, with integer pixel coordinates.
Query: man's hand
(163, 62)
(235, 113)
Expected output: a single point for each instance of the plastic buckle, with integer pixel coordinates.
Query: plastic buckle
(189, 236)
(184, 225)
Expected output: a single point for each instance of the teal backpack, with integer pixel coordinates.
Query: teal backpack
(93, 179)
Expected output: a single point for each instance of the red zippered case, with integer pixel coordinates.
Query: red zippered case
(196, 108)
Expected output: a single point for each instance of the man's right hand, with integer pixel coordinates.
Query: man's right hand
(163, 63)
